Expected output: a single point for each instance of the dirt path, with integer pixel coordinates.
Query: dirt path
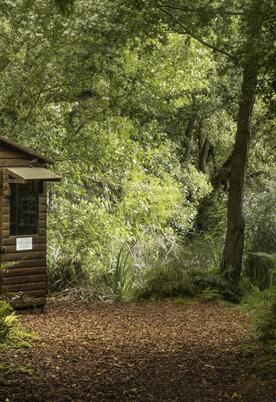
(135, 352)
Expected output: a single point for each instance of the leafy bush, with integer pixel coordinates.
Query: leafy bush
(165, 281)
(115, 282)
(261, 268)
(11, 332)
(213, 285)
(262, 307)
(131, 203)
(176, 280)
(209, 294)
(64, 270)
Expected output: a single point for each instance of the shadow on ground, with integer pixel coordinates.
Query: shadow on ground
(136, 352)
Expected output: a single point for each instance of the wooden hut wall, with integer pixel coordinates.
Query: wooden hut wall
(24, 271)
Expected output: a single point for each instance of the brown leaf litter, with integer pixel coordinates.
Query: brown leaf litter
(156, 351)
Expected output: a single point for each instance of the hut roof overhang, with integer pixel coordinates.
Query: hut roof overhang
(24, 174)
(28, 151)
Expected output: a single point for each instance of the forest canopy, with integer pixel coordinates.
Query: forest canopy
(158, 120)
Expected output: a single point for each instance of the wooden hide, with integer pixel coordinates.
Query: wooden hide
(23, 273)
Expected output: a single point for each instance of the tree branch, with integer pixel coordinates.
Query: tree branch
(185, 31)
(202, 10)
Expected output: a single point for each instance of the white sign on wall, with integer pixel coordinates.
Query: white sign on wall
(24, 243)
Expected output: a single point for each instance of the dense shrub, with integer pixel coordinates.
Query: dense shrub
(64, 270)
(262, 307)
(265, 320)
(139, 208)
(261, 268)
(165, 281)
(261, 238)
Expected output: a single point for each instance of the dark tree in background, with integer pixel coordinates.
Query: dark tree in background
(253, 55)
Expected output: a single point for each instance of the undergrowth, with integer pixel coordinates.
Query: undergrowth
(12, 334)
(262, 307)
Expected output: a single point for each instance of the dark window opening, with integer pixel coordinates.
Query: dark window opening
(24, 209)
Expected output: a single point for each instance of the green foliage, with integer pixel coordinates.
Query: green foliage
(6, 320)
(116, 280)
(261, 269)
(65, 6)
(108, 89)
(266, 327)
(209, 294)
(64, 271)
(11, 331)
(129, 203)
(261, 238)
(260, 213)
(263, 306)
(165, 281)
(175, 279)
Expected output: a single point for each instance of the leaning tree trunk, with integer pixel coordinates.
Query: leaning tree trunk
(233, 250)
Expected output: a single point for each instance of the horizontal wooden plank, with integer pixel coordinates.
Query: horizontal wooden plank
(11, 241)
(5, 217)
(13, 155)
(15, 162)
(25, 286)
(23, 279)
(36, 247)
(24, 271)
(6, 192)
(5, 202)
(25, 264)
(31, 255)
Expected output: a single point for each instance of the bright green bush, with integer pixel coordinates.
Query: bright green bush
(11, 331)
(133, 193)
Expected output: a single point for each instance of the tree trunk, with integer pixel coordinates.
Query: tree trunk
(233, 251)
(204, 155)
(188, 139)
